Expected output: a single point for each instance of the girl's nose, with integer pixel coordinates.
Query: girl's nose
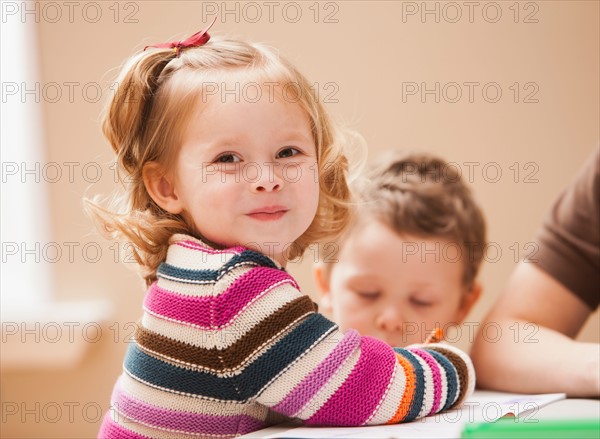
(267, 179)
(267, 187)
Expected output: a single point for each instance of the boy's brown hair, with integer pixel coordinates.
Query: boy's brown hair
(423, 195)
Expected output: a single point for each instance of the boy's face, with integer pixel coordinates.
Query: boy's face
(396, 288)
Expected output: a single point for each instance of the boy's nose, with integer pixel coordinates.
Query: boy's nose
(389, 320)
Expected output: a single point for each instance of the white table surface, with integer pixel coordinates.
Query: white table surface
(562, 409)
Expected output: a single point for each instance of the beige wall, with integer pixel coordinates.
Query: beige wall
(363, 61)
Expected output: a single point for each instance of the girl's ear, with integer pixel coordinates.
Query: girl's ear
(469, 299)
(322, 282)
(161, 188)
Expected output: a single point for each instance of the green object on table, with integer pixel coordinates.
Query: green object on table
(546, 429)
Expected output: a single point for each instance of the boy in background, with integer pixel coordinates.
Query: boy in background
(409, 262)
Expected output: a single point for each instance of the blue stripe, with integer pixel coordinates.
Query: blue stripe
(188, 275)
(240, 387)
(451, 375)
(417, 402)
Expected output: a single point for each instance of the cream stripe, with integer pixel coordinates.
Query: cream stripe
(385, 393)
(204, 288)
(392, 400)
(229, 278)
(185, 289)
(177, 392)
(173, 401)
(221, 339)
(155, 433)
(297, 360)
(286, 383)
(331, 387)
(283, 284)
(191, 259)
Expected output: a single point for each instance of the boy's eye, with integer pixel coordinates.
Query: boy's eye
(287, 152)
(227, 158)
(368, 295)
(419, 302)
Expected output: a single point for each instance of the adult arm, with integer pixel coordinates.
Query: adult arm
(543, 357)
(548, 299)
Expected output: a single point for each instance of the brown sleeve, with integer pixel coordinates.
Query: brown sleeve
(569, 239)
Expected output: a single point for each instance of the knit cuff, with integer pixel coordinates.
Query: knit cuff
(464, 367)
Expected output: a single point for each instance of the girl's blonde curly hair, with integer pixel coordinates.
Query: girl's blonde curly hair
(144, 121)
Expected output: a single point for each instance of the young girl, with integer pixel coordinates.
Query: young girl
(224, 187)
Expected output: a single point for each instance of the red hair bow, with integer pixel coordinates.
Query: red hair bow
(198, 39)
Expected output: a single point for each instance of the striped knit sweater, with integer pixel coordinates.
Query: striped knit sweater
(228, 345)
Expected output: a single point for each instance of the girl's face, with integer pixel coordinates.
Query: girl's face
(247, 172)
(396, 288)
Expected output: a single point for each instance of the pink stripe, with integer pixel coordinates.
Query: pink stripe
(356, 399)
(213, 312)
(313, 382)
(111, 430)
(176, 306)
(195, 246)
(183, 421)
(246, 289)
(437, 378)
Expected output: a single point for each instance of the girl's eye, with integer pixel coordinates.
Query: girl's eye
(228, 158)
(287, 152)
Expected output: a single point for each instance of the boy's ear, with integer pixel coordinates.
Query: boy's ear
(469, 299)
(322, 282)
(160, 187)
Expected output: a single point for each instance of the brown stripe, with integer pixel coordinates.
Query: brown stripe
(461, 370)
(234, 355)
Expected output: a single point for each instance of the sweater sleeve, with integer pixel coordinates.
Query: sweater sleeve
(301, 365)
(353, 380)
